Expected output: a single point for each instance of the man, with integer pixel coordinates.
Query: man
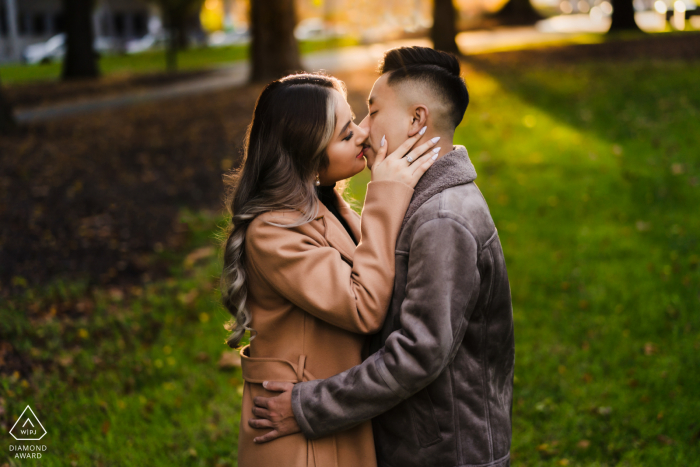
(438, 385)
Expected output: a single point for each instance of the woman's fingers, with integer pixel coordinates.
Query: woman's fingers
(423, 150)
(381, 154)
(407, 145)
(422, 167)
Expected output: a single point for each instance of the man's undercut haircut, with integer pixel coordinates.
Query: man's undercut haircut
(439, 70)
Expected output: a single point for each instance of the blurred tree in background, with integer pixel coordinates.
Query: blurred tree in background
(175, 16)
(444, 31)
(7, 121)
(80, 60)
(274, 51)
(518, 13)
(623, 16)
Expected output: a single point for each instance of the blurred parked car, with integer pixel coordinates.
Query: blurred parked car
(310, 29)
(45, 52)
(55, 49)
(223, 38)
(148, 42)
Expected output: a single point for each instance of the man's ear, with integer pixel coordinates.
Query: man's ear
(419, 119)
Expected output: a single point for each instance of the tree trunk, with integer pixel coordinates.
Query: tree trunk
(171, 53)
(444, 30)
(623, 16)
(7, 119)
(518, 13)
(173, 42)
(80, 60)
(274, 51)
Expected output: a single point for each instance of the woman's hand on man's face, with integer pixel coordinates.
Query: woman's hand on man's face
(406, 164)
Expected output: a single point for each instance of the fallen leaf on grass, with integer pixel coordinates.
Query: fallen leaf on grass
(583, 444)
(116, 294)
(229, 359)
(650, 348)
(196, 255)
(642, 226)
(65, 360)
(677, 169)
(665, 440)
(189, 297)
(105, 427)
(547, 449)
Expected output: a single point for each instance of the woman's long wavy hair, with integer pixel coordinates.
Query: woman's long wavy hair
(285, 147)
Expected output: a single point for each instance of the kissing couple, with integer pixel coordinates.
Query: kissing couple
(384, 339)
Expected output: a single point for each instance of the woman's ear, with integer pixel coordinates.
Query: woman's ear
(419, 119)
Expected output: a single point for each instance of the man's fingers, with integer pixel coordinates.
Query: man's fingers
(260, 423)
(274, 434)
(278, 386)
(259, 412)
(262, 401)
(407, 145)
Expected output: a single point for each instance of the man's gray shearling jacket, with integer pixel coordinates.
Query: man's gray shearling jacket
(439, 384)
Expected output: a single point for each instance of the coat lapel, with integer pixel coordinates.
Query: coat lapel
(335, 233)
(350, 216)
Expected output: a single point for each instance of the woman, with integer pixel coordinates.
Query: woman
(302, 272)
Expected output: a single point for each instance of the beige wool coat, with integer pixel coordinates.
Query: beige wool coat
(313, 297)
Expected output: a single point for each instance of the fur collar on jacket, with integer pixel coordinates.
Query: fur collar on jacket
(454, 168)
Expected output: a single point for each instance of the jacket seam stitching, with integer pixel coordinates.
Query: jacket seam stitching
(491, 238)
(455, 414)
(485, 362)
(390, 381)
(443, 214)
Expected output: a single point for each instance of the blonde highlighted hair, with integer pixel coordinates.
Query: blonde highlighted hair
(285, 147)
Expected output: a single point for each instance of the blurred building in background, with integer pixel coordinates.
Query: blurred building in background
(24, 23)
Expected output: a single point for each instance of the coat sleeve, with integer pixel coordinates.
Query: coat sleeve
(313, 276)
(441, 293)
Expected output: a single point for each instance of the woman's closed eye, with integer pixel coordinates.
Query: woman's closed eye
(347, 138)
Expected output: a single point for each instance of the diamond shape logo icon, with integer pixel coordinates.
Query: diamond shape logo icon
(28, 427)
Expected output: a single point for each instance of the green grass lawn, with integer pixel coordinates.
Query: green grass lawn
(592, 175)
(154, 61)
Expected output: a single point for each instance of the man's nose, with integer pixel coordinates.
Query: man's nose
(364, 127)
